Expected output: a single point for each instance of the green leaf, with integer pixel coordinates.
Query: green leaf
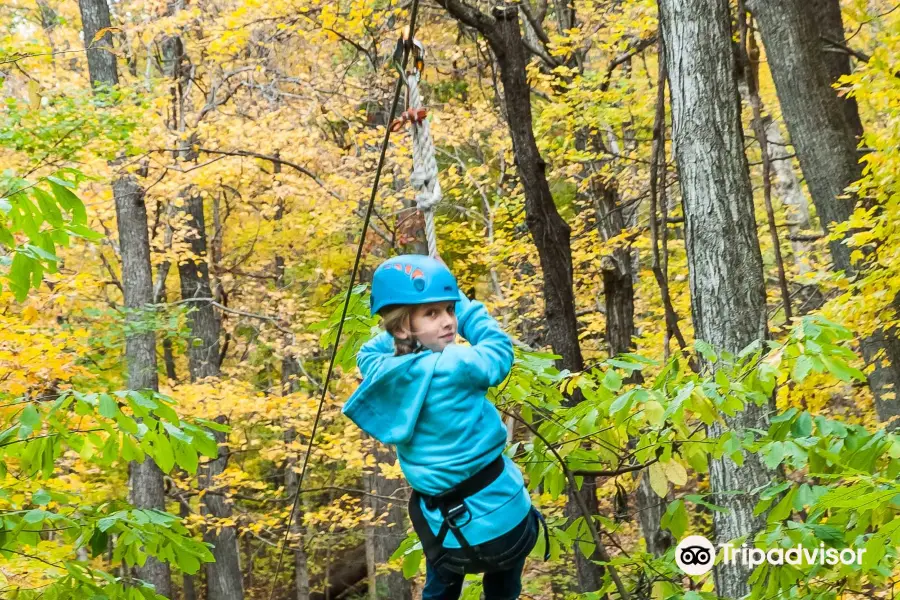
(411, 563)
(706, 351)
(177, 433)
(773, 454)
(98, 542)
(36, 516)
(70, 202)
(841, 369)
(106, 523)
(783, 509)
(127, 424)
(108, 406)
(698, 499)
(206, 444)
(213, 425)
(802, 427)
(622, 403)
(612, 380)
(802, 366)
(162, 453)
(185, 456)
(658, 480)
(84, 232)
(40, 497)
(187, 562)
(130, 449)
(48, 207)
(30, 417)
(772, 491)
(675, 518)
(875, 551)
(828, 533)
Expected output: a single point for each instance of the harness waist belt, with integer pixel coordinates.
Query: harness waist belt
(452, 505)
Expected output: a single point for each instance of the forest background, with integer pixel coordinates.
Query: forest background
(701, 280)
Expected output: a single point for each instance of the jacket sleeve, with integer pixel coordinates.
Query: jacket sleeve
(372, 354)
(487, 361)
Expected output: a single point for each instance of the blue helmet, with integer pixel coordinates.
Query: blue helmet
(412, 279)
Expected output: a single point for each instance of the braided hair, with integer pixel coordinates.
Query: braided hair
(397, 318)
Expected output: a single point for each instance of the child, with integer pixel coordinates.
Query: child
(426, 395)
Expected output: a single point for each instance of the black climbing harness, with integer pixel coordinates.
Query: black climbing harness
(452, 505)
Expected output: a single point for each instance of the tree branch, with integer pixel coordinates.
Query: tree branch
(588, 517)
(299, 168)
(471, 16)
(639, 46)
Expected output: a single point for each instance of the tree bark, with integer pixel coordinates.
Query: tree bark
(826, 146)
(291, 482)
(387, 536)
(550, 233)
(724, 261)
(290, 371)
(145, 479)
(787, 188)
(224, 578)
(203, 350)
(827, 14)
(812, 111)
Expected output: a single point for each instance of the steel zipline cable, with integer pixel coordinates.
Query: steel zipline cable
(407, 45)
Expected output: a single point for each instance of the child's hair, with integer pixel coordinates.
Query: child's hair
(396, 318)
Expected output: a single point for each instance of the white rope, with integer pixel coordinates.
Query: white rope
(424, 176)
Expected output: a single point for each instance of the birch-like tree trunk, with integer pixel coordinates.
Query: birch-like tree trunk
(724, 261)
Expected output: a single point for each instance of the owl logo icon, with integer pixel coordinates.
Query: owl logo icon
(695, 555)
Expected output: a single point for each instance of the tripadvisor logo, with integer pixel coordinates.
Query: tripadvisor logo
(695, 555)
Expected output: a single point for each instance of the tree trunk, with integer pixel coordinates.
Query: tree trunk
(826, 147)
(224, 578)
(387, 536)
(203, 350)
(724, 261)
(291, 482)
(618, 289)
(290, 370)
(650, 510)
(548, 230)
(145, 479)
(551, 237)
(189, 589)
(787, 188)
(617, 270)
(836, 61)
(812, 111)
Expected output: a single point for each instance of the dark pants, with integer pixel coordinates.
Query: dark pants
(501, 560)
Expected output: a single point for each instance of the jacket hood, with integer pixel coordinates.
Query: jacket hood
(387, 404)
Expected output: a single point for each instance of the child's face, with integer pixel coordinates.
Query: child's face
(434, 324)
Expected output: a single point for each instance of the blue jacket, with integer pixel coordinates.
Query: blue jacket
(432, 407)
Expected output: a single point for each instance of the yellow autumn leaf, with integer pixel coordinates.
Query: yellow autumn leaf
(100, 33)
(676, 473)
(658, 480)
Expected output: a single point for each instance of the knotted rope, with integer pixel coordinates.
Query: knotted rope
(424, 177)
